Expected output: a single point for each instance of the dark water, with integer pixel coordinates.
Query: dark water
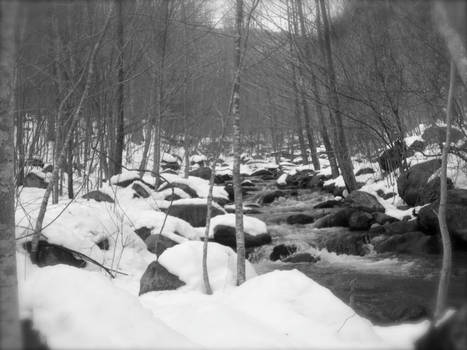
(385, 288)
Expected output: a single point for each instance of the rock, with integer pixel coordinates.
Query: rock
(270, 196)
(301, 219)
(392, 158)
(364, 171)
(407, 243)
(103, 244)
(456, 215)
(48, 168)
(400, 227)
(170, 165)
(262, 172)
(32, 339)
(301, 258)
(98, 196)
(143, 232)
(220, 200)
(221, 179)
(128, 182)
(172, 197)
(156, 278)
(332, 203)
(202, 172)
(282, 251)
(300, 179)
(247, 183)
(437, 134)
(338, 218)
(414, 186)
(51, 254)
(34, 180)
(157, 243)
(451, 334)
(225, 235)
(417, 146)
(195, 214)
(187, 189)
(345, 242)
(360, 220)
(382, 218)
(363, 201)
(140, 190)
(384, 195)
(230, 191)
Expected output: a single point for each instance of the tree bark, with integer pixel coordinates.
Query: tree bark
(240, 237)
(120, 127)
(443, 286)
(10, 331)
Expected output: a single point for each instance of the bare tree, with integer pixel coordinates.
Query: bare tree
(10, 331)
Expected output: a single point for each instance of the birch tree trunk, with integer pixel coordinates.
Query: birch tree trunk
(443, 286)
(240, 237)
(10, 331)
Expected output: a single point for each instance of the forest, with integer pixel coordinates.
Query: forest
(229, 174)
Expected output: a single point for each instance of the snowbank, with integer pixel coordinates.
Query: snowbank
(199, 185)
(75, 308)
(185, 261)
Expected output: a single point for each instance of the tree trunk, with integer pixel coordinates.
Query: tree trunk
(443, 286)
(240, 237)
(147, 144)
(70, 168)
(120, 123)
(341, 146)
(10, 331)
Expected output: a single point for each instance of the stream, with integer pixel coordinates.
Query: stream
(385, 288)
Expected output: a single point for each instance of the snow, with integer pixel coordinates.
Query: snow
(124, 176)
(184, 260)
(197, 158)
(251, 225)
(77, 308)
(169, 158)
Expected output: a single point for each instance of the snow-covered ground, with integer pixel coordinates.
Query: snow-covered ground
(85, 308)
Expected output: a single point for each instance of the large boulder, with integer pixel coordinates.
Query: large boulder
(139, 189)
(157, 244)
(456, 215)
(301, 179)
(202, 172)
(345, 242)
(450, 334)
(332, 203)
(98, 196)
(170, 165)
(396, 228)
(49, 254)
(407, 243)
(225, 235)
(157, 278)
(415, 185)
(184, 187)
(301, 219)
(301, 258)
(338, 218)
(437, 134)
(267, 197)
(195, 214)
(364, 201)
(34, 180)
(282, 251)
(360, 220)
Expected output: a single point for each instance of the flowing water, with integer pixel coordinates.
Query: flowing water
(385, 288)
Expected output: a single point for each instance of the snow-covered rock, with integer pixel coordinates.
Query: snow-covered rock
(184, 260)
